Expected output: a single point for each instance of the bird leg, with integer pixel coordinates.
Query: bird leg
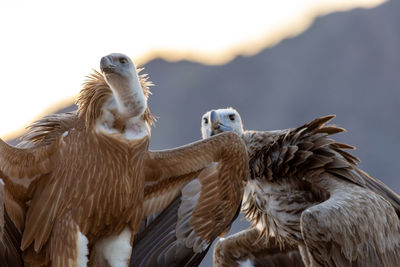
(247, 246)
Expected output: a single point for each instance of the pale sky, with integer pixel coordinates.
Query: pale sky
(48, 47)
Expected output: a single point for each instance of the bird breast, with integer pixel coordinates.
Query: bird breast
(105, 178)
(277, 207)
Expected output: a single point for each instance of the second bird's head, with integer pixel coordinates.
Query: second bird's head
(221, 120)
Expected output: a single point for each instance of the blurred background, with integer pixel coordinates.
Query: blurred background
(279, 63)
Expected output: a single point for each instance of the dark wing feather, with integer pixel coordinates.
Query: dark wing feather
(156, 240)
(153, 235)
(10, 253)
(356, 222)
(352, 226)
(307, 151)
(10, 237)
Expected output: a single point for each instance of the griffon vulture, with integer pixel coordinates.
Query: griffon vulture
(306, 193)
(88, 178)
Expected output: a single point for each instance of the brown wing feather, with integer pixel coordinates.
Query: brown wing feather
(194, 156)
(219, 201)
(221, 187)
(25, 162)
(19, 170)
(46, 130)
(157, 196)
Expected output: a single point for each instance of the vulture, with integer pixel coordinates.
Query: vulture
(305, 194)
(79, 189)
(307, 201)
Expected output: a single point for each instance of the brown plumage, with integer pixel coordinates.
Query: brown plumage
(305, 190)
(10, 237)
(90, 174)
(183, 233)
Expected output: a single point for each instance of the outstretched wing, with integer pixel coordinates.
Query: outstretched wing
(21, 167)
(16, 164)
(207, 179)
(46, 130)
(168, 170)
(308, 151)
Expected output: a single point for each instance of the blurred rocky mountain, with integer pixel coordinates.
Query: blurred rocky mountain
(346, 63)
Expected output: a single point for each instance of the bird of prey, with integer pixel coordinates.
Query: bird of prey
(88, 178)
(306, 194)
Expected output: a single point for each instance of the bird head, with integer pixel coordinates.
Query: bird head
(121, 75)
(116, 66)
(221, 120)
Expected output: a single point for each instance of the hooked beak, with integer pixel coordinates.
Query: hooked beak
(106, 65)
(216, 125)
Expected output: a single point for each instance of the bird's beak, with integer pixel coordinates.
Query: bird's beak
(216, 125)
(106, 64)
(214, 120)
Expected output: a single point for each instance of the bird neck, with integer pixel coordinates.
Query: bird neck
(129, 96)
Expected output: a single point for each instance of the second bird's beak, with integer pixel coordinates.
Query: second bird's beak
(214, 121)
(216, 125)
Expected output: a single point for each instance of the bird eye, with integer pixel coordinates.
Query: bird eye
(205, 120)
(232, 117)
(123, 60)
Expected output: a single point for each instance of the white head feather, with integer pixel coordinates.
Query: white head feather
(223, 120)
